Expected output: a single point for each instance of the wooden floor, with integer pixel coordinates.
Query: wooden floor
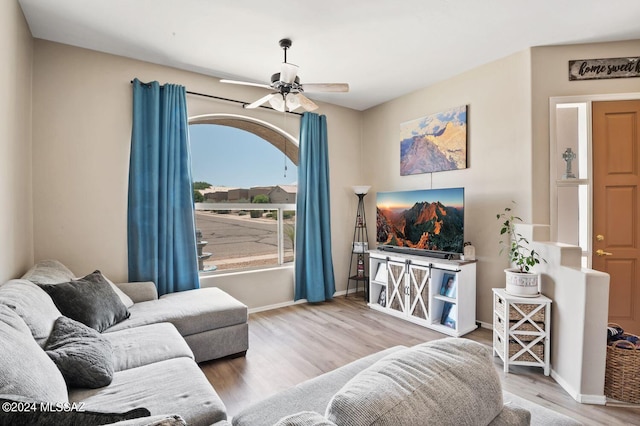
(292, 344)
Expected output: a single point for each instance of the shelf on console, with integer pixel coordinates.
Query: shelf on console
(445, 298)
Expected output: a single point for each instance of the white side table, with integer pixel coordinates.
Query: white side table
(521, 328)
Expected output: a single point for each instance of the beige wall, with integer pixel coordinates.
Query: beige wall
(549, 78)
(81, 134)
(81, 139)
(508, 148)
(16, 224)
(498, 96)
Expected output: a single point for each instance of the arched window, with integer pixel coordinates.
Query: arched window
(245, 184)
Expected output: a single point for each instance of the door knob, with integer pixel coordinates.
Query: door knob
(601, 252)
(600, 237)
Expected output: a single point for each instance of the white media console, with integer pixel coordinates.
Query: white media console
(433, 292)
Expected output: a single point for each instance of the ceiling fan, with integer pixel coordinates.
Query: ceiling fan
(287, 87)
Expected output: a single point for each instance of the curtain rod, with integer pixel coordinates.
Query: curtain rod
(244, 104)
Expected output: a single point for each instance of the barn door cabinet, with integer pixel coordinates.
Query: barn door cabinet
(436, 293)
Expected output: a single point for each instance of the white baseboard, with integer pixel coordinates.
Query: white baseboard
(592, 399)
(486, 325)
(276, 306)
(287, 303)
(581, 398)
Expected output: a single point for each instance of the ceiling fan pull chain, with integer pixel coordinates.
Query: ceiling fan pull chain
(284, 139)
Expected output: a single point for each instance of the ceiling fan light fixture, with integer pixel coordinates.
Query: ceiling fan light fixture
(292, 101)
(277, 103)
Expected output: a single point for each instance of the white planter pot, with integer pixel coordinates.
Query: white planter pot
(523, 284)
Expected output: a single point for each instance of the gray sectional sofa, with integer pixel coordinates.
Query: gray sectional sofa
(151, 371)
(450, 381)
(142, 370)
(213, 323)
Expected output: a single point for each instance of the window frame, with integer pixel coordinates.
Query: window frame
(285, 143)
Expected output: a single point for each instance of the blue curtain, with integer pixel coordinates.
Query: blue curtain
(161, 226)
(314, 267)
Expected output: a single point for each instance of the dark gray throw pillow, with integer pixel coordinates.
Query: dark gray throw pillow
(38, 414)
(90, 300)
(82, 355)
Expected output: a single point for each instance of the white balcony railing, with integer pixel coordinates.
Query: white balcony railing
(245, 235)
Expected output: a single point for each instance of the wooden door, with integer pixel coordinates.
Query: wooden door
(616, 206)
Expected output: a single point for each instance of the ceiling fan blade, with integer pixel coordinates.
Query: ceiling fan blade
(306, 103)
(245, 83)
(260, 101)
(325, 87)
(288, 72)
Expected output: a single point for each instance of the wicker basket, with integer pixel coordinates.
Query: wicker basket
(527, 309)
(515, 347)
(527, 326)
(622, 375)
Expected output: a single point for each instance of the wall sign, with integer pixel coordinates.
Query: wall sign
(597, 69)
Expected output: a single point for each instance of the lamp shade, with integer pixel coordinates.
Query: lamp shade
(277, 102)
(292, 101)
(361, 189)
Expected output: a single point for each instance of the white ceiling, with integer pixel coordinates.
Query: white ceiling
(382, 48)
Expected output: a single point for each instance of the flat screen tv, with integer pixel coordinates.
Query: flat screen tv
(428, 219)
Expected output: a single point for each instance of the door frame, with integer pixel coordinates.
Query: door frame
(554, 178)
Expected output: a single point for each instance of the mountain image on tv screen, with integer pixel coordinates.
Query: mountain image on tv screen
(431, 219)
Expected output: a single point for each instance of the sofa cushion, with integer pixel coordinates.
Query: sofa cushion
(139, 291)
(90, 300)
(304, 418)
(33, 305)
(540, 416)
(174, 386)
(512, 415)
(311, 395)
(126, 300)
(25, 369)
(54, 272)
(192, 311)
(59, 414)
(147, 344)
(82, 355)
(443, 382)
(48, 272)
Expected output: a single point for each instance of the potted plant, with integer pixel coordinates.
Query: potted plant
(520, 281)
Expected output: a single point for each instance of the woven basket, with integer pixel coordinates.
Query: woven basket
(527, 326)
(527, 309)
(515, 347)
(622, 375)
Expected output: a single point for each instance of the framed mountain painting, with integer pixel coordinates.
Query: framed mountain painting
(434, 143)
